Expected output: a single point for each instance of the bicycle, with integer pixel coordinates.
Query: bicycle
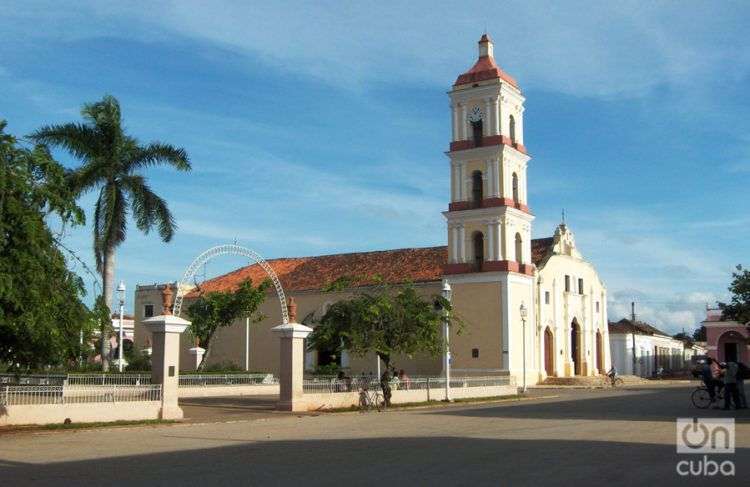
(369, 400)
(702, 399)
(615, 381)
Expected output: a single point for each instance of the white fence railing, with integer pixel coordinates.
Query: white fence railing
(34, 395)
(108, 379)
(33, 379)
(208, 380)
(417, 383)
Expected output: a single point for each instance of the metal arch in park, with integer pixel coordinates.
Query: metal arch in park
(229, 250)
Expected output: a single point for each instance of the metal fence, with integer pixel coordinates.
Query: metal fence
(33, 379)
(411, 384)
(108, 379)
(34, 395)
(208, 380)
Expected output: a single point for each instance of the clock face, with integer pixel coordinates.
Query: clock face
(476, 114)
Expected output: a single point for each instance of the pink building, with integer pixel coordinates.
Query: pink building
(726, 340)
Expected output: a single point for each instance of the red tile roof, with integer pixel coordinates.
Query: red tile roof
(485, 68)
(391, 266)
(638, 327)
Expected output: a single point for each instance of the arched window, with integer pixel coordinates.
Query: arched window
(512, 129)
(519, 248)
(476, 188)
(478, 249)
(516, 200)
(476, 128)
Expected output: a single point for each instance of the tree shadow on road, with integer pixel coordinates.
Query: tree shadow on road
(379, 461)
(645, 404)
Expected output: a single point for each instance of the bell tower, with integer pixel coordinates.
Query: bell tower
(490, 264)
(489, 222)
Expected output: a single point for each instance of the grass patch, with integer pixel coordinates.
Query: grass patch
(78, 426)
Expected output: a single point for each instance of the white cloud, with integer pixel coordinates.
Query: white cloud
(581, 48)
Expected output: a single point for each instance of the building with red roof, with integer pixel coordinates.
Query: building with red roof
(532, 308)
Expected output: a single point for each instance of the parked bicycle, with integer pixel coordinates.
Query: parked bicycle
(369, 400)
(702, 399)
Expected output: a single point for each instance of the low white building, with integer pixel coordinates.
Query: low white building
(653, 349)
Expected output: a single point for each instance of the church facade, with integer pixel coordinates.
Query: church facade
(534, 305)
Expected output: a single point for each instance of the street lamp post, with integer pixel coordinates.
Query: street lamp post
(121, 295)
(447, 293)
(524, 313)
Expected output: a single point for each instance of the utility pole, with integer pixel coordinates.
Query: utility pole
(632, 320)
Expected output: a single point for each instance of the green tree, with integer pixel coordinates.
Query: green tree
(42, 317)
(215, 310)
(388, 321)
(111, 163)
(739, 307)
(699, 335)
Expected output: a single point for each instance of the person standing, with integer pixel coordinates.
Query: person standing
(385, 385)
(730, 386)
(742, 373)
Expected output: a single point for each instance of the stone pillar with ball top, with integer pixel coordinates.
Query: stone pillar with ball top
(292, 361)
(165, 357)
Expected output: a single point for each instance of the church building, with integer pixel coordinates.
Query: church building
(527, 304)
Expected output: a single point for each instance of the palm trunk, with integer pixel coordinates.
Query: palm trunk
(108, 275)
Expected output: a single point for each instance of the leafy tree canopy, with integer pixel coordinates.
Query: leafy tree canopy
(41, 312)
(388, 321)
(739, 307)
(215, 310)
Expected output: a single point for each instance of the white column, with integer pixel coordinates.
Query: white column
(495, 178)
(462, 181)
(491, 241)
(454, 244)
(461, 243)
(487, 127)
(454, 183)
(519, 126)
(495, 116)
(490, 177)
(502, 234)
(454, 122)
(462, 122)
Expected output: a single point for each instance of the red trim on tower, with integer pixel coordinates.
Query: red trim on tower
(458, 269)
(488, 203)
(485, 68)
(487, 141)
(490, 266)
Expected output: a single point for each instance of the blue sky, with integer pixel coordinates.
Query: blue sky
(320, 128)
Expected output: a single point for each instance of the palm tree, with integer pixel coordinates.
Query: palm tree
(111, 162)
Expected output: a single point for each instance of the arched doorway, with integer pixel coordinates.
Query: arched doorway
(599, 353)
(575, 346)
(549, 352)
(731, 346)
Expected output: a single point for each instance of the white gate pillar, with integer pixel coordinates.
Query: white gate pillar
(292, 361)
(165, 356)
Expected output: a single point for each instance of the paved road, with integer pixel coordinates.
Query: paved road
(581, 437)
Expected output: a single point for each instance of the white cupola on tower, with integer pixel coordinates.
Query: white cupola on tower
(486, 47)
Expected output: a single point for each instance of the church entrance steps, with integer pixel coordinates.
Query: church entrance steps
(590, 381)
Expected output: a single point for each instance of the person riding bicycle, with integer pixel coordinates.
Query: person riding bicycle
(612, 374)
(711, 373)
